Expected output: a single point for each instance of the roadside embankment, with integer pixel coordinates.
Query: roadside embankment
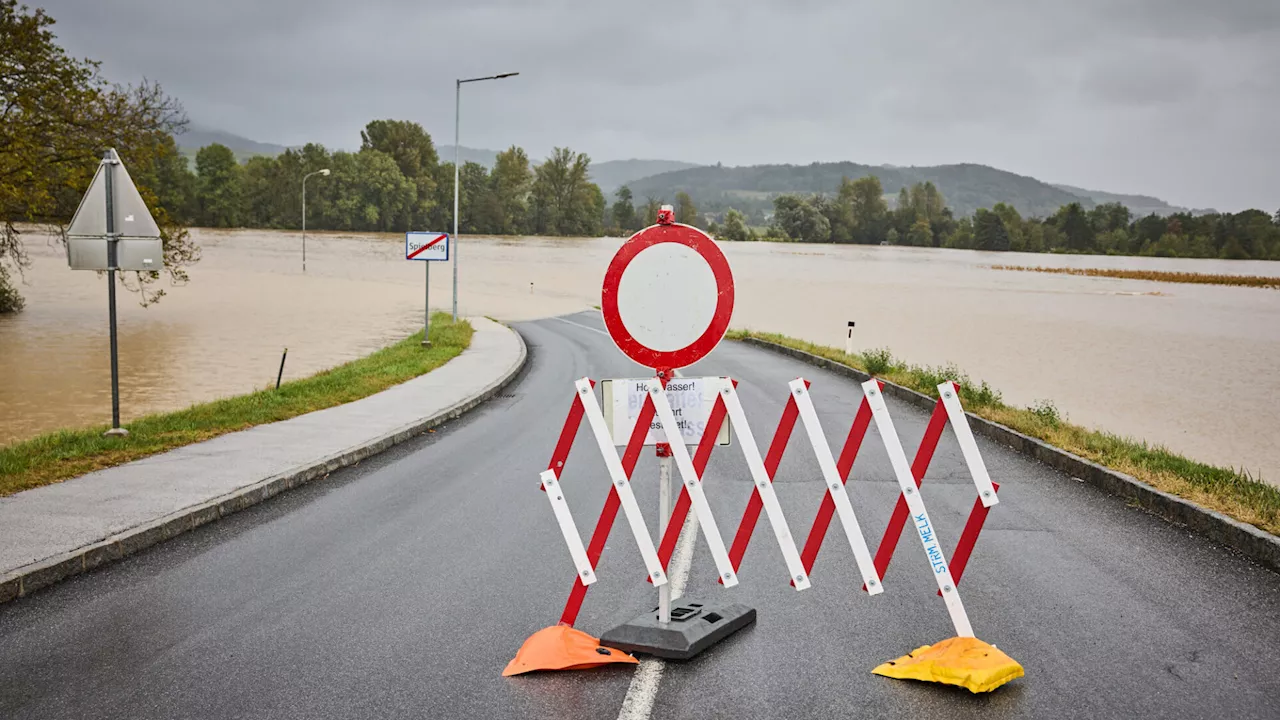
(1245, 501)
(57, 456)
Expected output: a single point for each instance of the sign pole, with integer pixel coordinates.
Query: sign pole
(426, 305)
(664, 512)
(112, 246)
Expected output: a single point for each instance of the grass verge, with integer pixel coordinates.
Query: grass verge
(1258, 281)
(1229, 491)
(66, 454)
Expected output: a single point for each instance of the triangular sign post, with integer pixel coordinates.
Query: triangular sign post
(113, 230)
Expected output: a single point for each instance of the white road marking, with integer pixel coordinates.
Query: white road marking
(584, 327)
(638, 704)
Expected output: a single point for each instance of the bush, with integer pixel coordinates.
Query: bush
(10, 300)
(1047, 412)
(879, 361)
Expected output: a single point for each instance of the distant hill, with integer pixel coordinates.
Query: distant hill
(465, 155)
(613, 174)
(1140, 205)
(197, 136)
(965, 187)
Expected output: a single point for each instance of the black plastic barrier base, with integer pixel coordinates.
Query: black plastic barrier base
(694, 627)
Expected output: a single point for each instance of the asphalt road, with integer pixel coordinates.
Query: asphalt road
(401, 587)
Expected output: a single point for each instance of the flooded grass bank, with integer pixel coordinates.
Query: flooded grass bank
(65, 454)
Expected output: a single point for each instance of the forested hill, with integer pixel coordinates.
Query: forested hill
(1139, 205)
(612, 174)
(966, 187)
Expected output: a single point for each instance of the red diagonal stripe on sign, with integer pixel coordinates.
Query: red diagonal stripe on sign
(414, 254)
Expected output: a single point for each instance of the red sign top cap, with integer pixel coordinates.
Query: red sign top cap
(668, 296)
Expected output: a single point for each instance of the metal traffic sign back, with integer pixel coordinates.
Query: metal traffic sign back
(432, 246)
(137, 237)
(668, 296)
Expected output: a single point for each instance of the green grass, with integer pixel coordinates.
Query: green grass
(66, 454)
(1229, 491)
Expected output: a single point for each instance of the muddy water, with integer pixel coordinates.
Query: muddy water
(1192, 367)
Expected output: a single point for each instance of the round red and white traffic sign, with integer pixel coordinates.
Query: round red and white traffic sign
(668, 296)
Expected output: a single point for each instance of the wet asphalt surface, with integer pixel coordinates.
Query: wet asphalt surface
(400, 588)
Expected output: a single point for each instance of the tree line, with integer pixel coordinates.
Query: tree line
(395, 182)
(859, 213)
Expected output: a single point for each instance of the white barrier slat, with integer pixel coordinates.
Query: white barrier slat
(835, 486)
(919, 516)
(692, 483)
(968, 446)
(620, 484)
(567, 527)
(764, 485)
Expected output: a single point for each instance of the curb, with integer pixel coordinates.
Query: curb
(1258, 545)
(29, 578)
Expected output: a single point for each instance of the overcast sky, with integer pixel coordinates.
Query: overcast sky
(1174, 98)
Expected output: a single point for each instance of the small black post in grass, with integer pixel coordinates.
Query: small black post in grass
(280, 374)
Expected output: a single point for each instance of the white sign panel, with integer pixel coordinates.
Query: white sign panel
(426, 246)
(691, 401)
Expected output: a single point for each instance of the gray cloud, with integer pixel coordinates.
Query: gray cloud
(1169, 97)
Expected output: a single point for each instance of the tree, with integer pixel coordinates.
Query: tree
(413, 152)
(798, 219)
(563, 200)
(480, 211)
(1073, 223)
(870, 212)
(624, 211)
(651, 207)
(219, 191)
(408, 145)
(686, 211)
(511, 178)
(1109, 217)
(989, 231)
(59, 115)
(920, 235)
(1012, 224)
(735, 227)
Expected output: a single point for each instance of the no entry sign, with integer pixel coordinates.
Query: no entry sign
(668, 296)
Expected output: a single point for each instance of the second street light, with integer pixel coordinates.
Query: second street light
(304, 214)
(457, 121)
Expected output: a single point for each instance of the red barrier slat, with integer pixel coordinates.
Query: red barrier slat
(610, 511)
(852, 443)
(772, 459)
(567, 434)
(969, 537)
(924, 455)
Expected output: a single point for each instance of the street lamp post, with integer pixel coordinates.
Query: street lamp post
(457, 118)
(304, 214)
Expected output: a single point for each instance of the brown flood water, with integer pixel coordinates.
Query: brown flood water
(1193, 367)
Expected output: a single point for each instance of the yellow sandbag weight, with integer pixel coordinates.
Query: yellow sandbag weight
(964, 661)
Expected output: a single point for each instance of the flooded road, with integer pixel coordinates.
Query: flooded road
(1193, 367)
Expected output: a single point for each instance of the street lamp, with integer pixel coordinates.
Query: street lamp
(304, 214)
(457, 116)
